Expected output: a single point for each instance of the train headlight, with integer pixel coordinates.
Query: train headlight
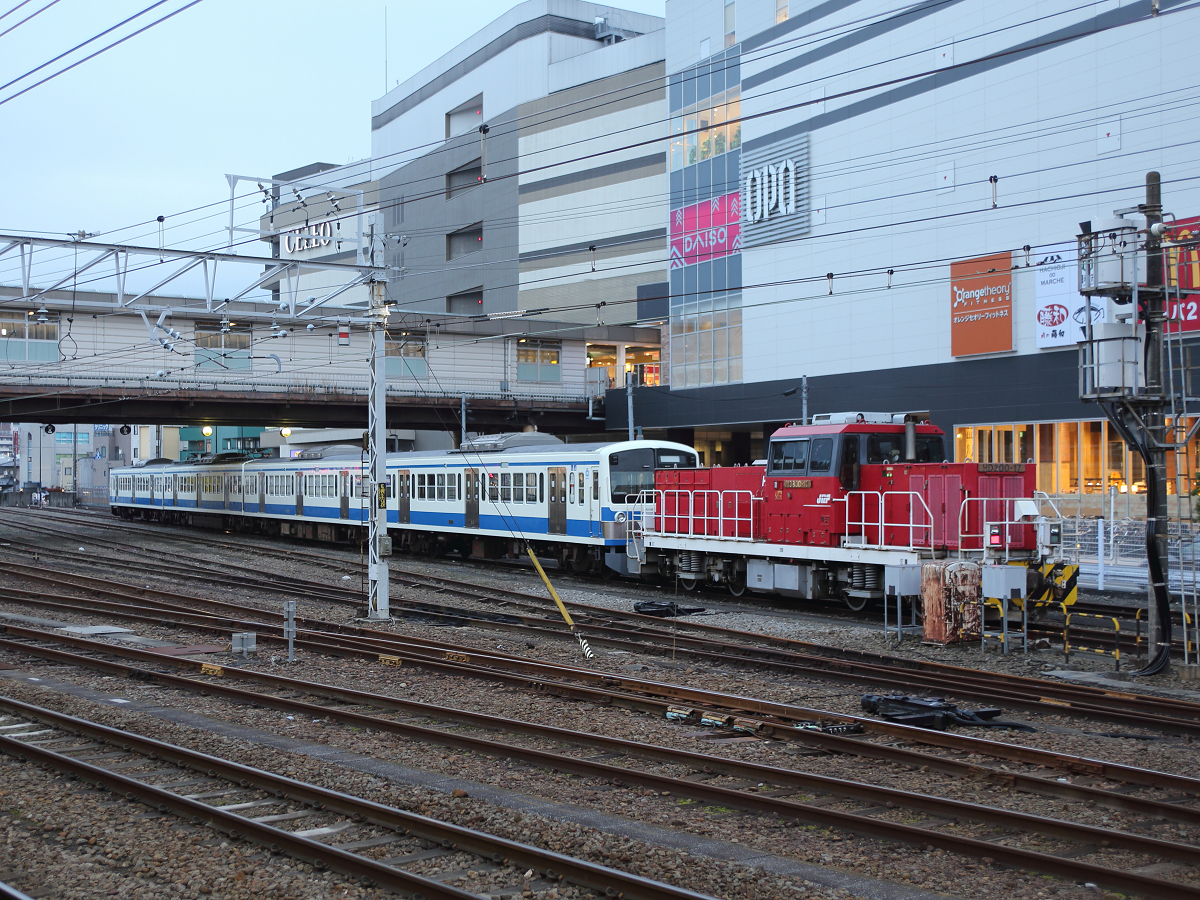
(620, 517)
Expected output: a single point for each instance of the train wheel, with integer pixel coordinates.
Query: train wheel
(689, 582)
(737, 584)
(857, 604)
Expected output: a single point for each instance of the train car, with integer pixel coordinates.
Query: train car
(831, 506)
(490, 498)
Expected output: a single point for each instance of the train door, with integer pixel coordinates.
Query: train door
(345, 494)
(592, 486)
(299, 476)
(403, 495)
(471, 496)
(556, 500)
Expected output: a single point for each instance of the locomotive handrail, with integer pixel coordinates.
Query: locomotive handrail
(1008, 522)
(742, 527)
(881, 521)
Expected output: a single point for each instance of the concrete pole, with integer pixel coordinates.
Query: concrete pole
(803, 399)
(629, 405)
(1156, 425)
(462, 439)
(379, 606)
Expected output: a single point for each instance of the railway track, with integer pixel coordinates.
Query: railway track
(248, 803)
(965, 828)
(792, 657)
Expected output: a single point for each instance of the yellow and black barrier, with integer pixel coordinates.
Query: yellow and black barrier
(1115, 653)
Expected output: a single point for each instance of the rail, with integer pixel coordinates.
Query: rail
(728, 515)
(881, 522)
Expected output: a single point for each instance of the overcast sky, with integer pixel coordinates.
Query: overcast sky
(150, 128)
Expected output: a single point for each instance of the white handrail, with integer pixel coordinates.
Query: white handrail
(742, 526)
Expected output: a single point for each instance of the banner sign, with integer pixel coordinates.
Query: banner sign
(1183, 272)
(1060, 319)
(706, 230)
(981, 305)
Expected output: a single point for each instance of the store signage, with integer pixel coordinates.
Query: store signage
(771, 189)
(981, 305)
(309, 238)
(1060, 318)
(706, 230)
(1183, 275)
(775, 198)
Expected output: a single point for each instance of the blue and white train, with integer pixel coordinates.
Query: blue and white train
(488, 499)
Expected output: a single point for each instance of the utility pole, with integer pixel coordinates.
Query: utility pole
(629, 403)
(1155, 416)
(378, 600)
(803, 399)
(1127, 381)
(463, 424)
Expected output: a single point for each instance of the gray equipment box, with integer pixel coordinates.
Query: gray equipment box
(902, 581)
(1004, 582)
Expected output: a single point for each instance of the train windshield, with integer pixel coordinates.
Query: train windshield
(889, 448)
(632, 471)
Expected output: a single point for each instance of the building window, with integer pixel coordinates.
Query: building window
(707, 129)
(730, 29)
(222, 345)
(461, 243)
(464, 178)
(781, 11)
(465, 118)
(406, 357)
(22, 337)
(706, 340)
(539, 361)
(468, 303)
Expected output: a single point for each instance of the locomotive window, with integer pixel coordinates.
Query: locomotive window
(821, 455)
(518, 484)
(632, 471)
(789, 456)
(889, 448)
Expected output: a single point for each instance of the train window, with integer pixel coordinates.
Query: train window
(505, 487)
(850, 471)
(441, 486)
(632, 471)
(595, 484)
(820, 457)
(531, 494)
(675, 459)
(518, 480)
(569, 488)
(493, 487)
(582, 486)
(450, 492)
(421, 487)
(789, 456)
(541, 487)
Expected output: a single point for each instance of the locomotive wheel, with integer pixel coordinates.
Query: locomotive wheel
(857, 604)
(737, 584)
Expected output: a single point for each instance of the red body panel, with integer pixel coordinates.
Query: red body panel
(933, 505)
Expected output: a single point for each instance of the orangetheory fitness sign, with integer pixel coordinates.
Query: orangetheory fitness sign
(981, 305)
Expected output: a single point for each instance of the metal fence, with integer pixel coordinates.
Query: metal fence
(1111, 554)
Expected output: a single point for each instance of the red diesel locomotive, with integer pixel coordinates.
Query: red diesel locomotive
(835, 503)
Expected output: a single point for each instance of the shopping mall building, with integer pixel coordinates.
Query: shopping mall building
(884, 198)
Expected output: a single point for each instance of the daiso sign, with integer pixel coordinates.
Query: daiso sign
(706, 230)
